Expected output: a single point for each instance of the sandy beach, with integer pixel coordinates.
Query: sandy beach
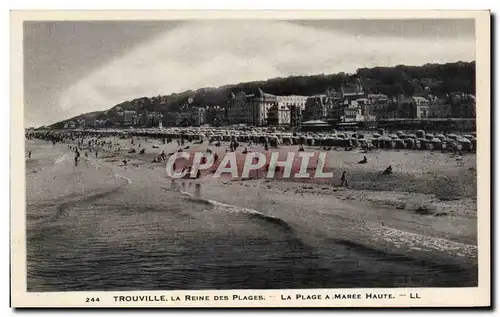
(430, 183)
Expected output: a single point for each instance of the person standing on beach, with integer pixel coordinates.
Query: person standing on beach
(343, 180)
(29, 154)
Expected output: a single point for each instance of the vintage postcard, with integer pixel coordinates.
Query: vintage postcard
(250, 159)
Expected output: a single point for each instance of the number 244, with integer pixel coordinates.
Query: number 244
(91, 300)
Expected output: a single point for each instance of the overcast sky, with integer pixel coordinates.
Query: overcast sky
(76, 67)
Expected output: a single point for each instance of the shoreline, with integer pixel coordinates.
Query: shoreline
(369, 225)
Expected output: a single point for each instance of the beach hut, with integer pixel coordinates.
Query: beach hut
(411, 136)
(273, 141)
(329, 141)
(384, 142)
(429, 136)
(445, 145)
(421, 144)
(452, 136)
(341, 142)
(410, 143)
(398, 144)
(363, 143)
(420, 134)
(372, 142)
(465, 144)
(434, 144)
(353, 142)
(376, 135)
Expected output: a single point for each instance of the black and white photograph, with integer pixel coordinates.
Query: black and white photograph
(252, 155)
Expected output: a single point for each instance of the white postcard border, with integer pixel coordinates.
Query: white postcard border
(403, 297)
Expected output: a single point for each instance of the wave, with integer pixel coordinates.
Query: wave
(63, 208)
(252, 213)
(48, 225)
(456, 268)
(416, 256)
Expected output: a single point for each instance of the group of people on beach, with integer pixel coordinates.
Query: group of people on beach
(85, 153)
(81, 143)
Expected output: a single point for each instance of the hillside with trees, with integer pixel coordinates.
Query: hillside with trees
(440, 79)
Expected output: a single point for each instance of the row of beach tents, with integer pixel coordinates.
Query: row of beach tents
(419, 140)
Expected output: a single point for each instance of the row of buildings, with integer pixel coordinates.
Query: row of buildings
(348, 104)
(121, 118)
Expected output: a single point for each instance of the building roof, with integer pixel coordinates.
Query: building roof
(287, 98)
(377, 96)
(314, 122)
(418, 98)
